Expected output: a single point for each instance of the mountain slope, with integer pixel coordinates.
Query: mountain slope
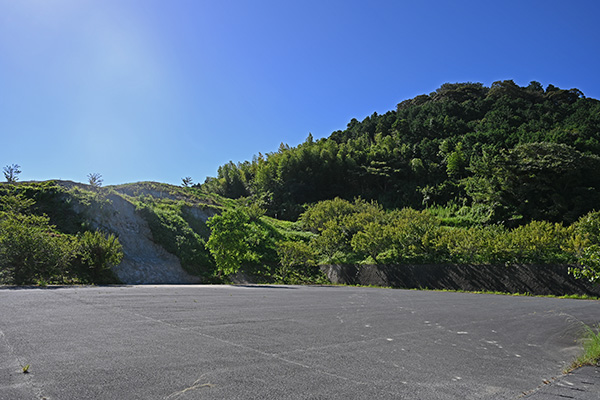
(432, 150)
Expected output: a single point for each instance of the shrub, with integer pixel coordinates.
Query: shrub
(584, 245)
(537, 242)
(229, 241)
(30, 251)
(373, 240)
(96, 254)
(413, 234)
(297, 262)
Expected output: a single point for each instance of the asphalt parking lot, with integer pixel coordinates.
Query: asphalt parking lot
(286, 342)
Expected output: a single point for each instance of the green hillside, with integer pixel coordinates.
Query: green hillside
(513, 153)
(465, 175)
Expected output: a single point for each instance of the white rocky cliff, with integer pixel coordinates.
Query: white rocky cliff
(144, 261)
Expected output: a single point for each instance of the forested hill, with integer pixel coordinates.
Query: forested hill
(511, 153)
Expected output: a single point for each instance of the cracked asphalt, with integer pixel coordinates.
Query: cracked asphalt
(288, 342)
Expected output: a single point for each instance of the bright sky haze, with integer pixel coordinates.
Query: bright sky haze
(159, 90)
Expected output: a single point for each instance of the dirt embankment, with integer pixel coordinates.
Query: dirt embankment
(517, 278)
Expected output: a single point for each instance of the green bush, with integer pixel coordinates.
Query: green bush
(537, 242)
(96, 254)
(336, 210)
(471, 245)
(413, 235)
(297, 262)
(584, 246)
(32, 251)
(366, 233)
(373, 240)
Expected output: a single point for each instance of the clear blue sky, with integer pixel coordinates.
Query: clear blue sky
(159, 90)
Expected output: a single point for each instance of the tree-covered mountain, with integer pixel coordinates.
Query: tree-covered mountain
(513, 153)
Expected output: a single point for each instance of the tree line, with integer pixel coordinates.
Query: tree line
(517, 154)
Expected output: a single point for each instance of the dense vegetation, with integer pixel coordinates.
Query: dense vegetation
(467, 174)
(514, 154)
(42, 240)
(360, 232)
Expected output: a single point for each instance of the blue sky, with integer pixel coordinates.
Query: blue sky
(158, 90)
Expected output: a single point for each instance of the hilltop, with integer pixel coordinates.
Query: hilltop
(503, 154)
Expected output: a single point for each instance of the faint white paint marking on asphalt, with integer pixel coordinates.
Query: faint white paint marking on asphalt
(242, 346)
(564, 382)
(462, 333)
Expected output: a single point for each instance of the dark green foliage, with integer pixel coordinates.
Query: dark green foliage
(418, 154)
(95, 255)
(537, 181)
(33, 251)
(11, 173)
(503, 171)
(95, 179)
(56, 202)
(297, 260)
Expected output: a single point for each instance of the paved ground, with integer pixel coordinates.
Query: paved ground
(248, 342)
(582, 384)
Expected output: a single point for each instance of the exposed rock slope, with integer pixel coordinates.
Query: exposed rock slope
(144, 260)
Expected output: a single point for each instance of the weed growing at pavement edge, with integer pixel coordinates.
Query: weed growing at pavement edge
(591, 348)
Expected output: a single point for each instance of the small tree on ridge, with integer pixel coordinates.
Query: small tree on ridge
(11, 173)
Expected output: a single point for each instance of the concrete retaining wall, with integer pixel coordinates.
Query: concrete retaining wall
(517, 278)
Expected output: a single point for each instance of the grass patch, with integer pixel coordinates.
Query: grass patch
(567, 296)
(527, 294)
(591, 348)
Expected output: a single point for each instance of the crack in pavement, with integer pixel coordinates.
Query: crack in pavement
(195, 385)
